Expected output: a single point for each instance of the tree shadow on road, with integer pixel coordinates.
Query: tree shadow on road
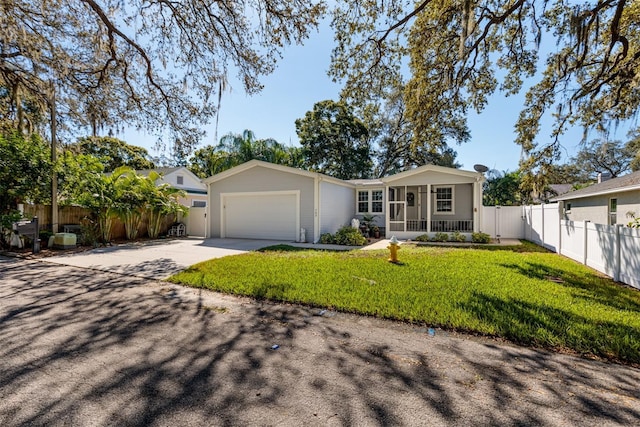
(80, 347)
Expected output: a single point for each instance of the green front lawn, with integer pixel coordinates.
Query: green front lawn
(524, 294)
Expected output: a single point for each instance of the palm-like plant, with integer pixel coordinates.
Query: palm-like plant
(131, 201)
(162, 201)
(99, 193)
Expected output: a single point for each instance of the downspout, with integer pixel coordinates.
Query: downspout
(207, 214)
(316, 209)
(476, 207)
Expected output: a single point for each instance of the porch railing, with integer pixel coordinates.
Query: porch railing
(441, 226)
(416, 225)
(463, 226)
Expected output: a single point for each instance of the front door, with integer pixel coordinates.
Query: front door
(397, 209)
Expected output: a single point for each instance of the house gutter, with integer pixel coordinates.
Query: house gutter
(597, 193)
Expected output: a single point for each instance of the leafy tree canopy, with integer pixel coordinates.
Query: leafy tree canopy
(334, 141)
(23, 162)
(158, 65)
(568, 173)
(235, 149)
(391, 136)
(612, 157)
(461, 52)
(503, 189)
(113, 153)
(23, 114)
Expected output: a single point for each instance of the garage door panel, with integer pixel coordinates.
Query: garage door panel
(261, 216)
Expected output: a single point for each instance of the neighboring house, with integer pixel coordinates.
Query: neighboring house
(183, 179)
(604, 203)
(268, 201)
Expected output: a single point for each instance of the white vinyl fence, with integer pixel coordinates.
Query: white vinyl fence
(196, 222)
(503, 222)
(612, 250)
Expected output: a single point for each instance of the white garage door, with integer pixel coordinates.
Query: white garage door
(270, 215)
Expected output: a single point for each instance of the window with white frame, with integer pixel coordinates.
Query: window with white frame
(444, 200)
(613, 211)
(363, 201)
(370, 201)
(376, 201)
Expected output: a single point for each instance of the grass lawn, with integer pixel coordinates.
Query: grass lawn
(522, 293)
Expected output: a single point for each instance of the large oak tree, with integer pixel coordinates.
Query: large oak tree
(157, 64)
(459, 52)
(334, 141)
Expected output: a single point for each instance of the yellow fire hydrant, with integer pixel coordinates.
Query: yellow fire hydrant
(394, 247)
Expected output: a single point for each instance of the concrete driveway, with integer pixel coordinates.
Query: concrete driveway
(161, 258)
(88, 348)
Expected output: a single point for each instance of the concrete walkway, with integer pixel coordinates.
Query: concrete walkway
(86, 348)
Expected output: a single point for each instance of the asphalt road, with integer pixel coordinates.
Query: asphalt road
(80, 347)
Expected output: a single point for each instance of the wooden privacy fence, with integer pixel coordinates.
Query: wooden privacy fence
(66, 215)
(73, 215)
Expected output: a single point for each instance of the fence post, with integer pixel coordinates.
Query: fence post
(560, 207)
(530, 221)
(584, 242)
(542, 224)
(616, 249)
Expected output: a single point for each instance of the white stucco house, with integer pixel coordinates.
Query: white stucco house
(183, 179)
(262, 200)
(606, 202)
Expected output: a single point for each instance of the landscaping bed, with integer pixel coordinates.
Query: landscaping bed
(524, 294)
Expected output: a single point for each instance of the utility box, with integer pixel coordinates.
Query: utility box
(64, 240)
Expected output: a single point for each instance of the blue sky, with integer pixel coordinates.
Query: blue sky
(301, 80)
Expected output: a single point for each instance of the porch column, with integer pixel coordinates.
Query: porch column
(428, 208)
(405, 209)
(477, 206)
(387, 202)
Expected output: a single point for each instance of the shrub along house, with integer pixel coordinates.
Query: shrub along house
(266, 201)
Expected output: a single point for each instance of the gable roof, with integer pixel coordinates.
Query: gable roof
(627, 182)
(561, 189)
(161, 171)
(259, 163)
(426, 168)
(182, 169)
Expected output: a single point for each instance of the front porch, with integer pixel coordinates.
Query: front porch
(414, 210)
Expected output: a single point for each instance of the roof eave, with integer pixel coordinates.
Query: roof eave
(568, 196)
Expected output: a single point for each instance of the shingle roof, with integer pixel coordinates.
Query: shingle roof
(615, 185)
(161, 171)
(561, 189)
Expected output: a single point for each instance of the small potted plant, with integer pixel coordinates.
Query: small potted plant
(367, 224)
(375, 230)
